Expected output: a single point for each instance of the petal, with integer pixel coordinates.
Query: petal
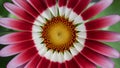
(106, 36)
(43, 63)
(96, 8)
(53, 65)
(62, 65)
(97, 58)
(27, 7)
(83, 62)
(16, 48)
(34, 62)
(52, 7)
(70, 5)
(16, 37)
(102, 22)
(81, 6)
(62, 3)
(50, 3)
(22, 58)
(102, 48)
(72, 64)
(62, 6)
(19, 12)
(39, 5)
(16, 24)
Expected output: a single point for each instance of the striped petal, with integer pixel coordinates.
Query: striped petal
(19, 12)
(81, 6)
(43, 63)
(39, 5)
(53, 65)
(22, 58)
(62, 65)
(70, 5)
(27, 7)
(72, 64)
(96, 8)
(52, 7)
(16, 24)
(98, 59)
(34, 62)
(83, 62)
(106, 36)
(102, 49)
(16, 48)
(16, 37)
(62, 2)
(102, 22)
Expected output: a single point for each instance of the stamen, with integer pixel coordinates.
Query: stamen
(59, 34)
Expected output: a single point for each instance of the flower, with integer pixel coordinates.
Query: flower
(59, 34)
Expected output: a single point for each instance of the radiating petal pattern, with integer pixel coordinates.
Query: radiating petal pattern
(59, 34)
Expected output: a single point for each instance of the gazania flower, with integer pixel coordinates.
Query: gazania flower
(59, 34)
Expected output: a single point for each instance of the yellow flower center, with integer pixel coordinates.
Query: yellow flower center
(59, 34)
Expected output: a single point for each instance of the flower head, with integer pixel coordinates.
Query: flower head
(59, 34)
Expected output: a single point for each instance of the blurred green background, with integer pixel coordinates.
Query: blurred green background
(113, 9)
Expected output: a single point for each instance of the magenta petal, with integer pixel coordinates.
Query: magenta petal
(97, 58)
(27, 7)
(22, 58)
(15, 24)
(83, 62)
(102, 48)
(72, 64)
(16, 37)
(34, 62)
(62, 2)
(44, 63)
(19, 12)
(50, 3)
(39, 5)
(95, 9)
(81, 6)
(102, 22)
(106, 36)
(53, 65)
(72, 3)
(16, 48)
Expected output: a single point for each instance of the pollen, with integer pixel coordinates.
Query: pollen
(59, 34)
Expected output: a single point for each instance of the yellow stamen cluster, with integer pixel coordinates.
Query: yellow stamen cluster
(59, 34)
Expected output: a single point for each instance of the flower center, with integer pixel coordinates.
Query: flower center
(59, 34)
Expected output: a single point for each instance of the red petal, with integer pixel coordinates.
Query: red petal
(72, 64)
(16, 24)
(95, 9)
(16, 37)
(83, 62)
(62, 2)
(26, 6)
(61, 65)
(16, 48)
(22, 58)
(19, 12)
(39, 5)
(43, 63)
(102, 22)
(34, 62)
(97, 58)
(50, 3)
(81, 6)
(106, 36)
(102, 48)
(72, 3)
(53, 65)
